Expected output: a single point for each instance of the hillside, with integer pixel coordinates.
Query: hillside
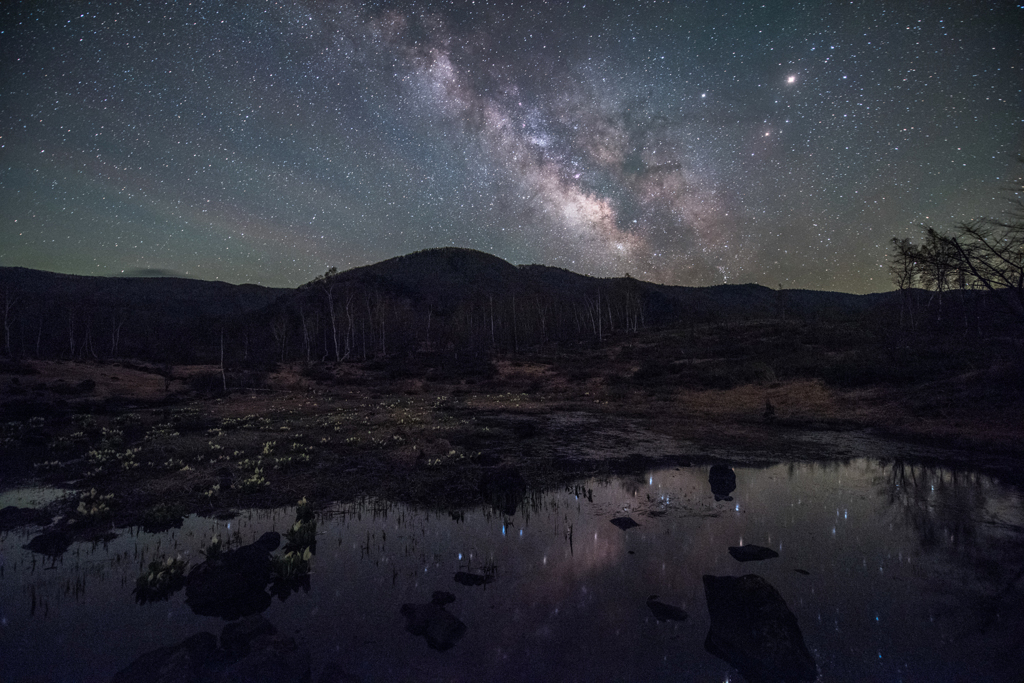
(52, 315)
(436, 299)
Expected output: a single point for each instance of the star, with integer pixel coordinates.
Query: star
(287, 137)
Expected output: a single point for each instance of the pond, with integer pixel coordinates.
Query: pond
(893, 572)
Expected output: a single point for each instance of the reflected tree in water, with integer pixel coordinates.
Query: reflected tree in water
(942, 506)
(955, 513)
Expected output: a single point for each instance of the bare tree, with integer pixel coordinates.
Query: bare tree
(9, 303)
(904, 269)
(279, 328)
(991, 255)
(117, 319)
(986, 253)
(223, 375)
(325, 282)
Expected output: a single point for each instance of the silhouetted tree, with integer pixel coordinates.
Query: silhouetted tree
(986, 253)
(9, 302)
(904, 270)
(990, 254)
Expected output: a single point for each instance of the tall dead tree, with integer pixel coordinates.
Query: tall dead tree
(9, 303)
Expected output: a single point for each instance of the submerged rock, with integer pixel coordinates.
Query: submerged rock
(665, 612)
(252, 651)
(432, 621)
(271, 659)
(753, 630)
(187, 662)
(236, 636)
(12, 517)
(751, 553)
(233, 584)
(723, 481)
(52, 543)
(468, 579)
(442, 598)
(624, 522)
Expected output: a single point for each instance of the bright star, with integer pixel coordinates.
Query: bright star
(791, 79)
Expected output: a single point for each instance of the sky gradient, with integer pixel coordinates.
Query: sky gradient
(688, 143)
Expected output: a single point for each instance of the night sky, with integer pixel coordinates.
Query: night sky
(688, 143)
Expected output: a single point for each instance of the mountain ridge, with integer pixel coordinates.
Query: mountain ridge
(447, 297)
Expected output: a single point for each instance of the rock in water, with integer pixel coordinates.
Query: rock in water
(237, 635)
(442, 598)
(723, 481)
(750, 553)
(665, 612)
(252, 652)
(469, 579)
(271, 659)
(753, 630)
(233, 585)
(432, 621)
(13, 517)
(624, 523)
(187, 661)
(52, 543)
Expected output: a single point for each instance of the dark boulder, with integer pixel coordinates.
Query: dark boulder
(236, 636)
(468, 579)
(752, 553)
(723, 481)
(187, 662)
(224, 478)
(12, 517)
(753, 630)
(665, 612)
(442, 598)
(271, 659)
(624, 523)
(52, 543)
(252, 652)
(233, 584)
(432, 621)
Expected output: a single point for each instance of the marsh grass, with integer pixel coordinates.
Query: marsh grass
(338, 431)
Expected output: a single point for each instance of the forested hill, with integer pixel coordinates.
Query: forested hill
(437, 299)
(176, 297)
(444, 278)
(53, 315)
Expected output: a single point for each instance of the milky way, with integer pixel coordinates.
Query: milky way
(683, 142)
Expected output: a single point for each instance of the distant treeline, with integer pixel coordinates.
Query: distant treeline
(441, 300)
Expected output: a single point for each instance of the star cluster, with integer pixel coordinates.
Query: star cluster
(688, 143)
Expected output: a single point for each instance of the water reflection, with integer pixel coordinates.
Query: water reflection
(962, 522)
(887, 579)
(939, 505)
(503, 488)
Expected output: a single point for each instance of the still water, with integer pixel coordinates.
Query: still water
(894, 572)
